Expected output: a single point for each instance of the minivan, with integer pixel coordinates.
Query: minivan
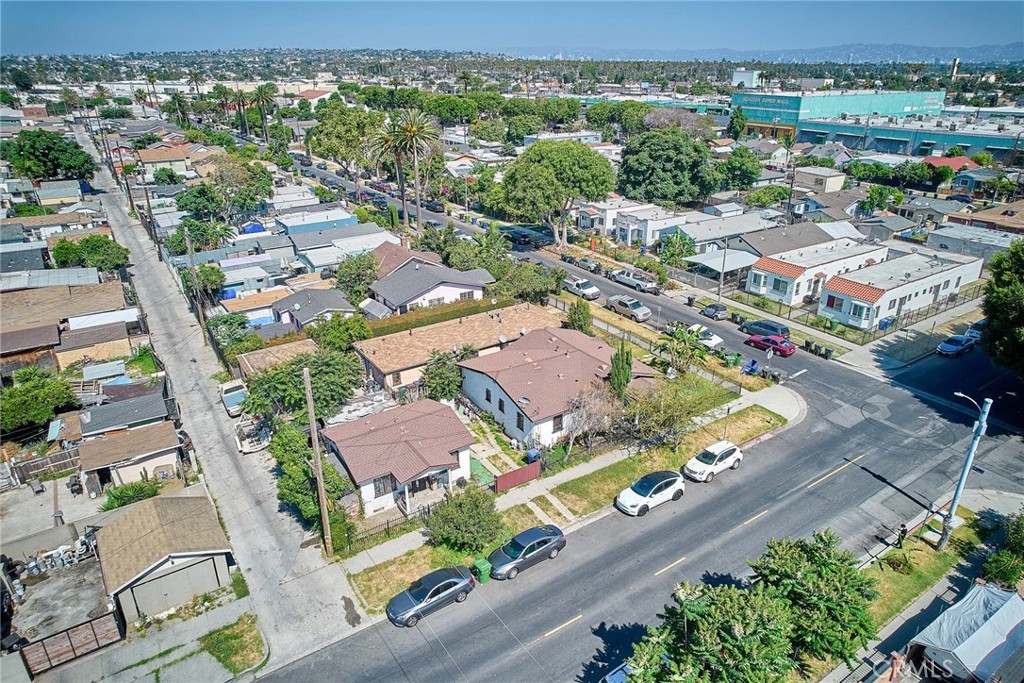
(581, 287)
(765, 327)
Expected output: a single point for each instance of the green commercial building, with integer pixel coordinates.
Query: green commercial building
(776, 114)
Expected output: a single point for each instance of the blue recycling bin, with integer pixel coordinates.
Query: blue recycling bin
(473, 220)
(532, 455)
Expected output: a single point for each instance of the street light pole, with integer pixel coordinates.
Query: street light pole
(979, 431)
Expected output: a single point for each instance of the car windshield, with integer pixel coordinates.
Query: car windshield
(704, 334)
(644, 485)
(635, 305)
(584, 284)
(953, 341)
(707, 457)
(513, 549)
(418, 590)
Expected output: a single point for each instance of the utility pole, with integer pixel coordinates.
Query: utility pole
(721, 273)
(195, 283)
(318, 469)
(979, 430)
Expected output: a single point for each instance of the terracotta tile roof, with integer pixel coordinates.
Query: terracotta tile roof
(411, 349)
(257, 361)
(390, 257)
(150, 531)
(404, 441)
(542, 371)
(312, 94)
(856, 290)
(127, 445)
(955, 163)
(777, 267)
(250, 302)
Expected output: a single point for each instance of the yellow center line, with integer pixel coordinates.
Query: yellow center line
(759, 514)
(662, 571)
(559, 628)
(835, 471)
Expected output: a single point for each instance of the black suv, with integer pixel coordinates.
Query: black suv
(765, 327)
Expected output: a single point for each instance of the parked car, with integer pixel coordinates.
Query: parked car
(589, 264)
(581, 287)
(705, 337)
(231, 395)
(308, 173)
(956, 345)
(715, 311)
(629, 307)
(322, 165)
(305, 161)
(462, 235)
(430, 593)
(649, 491)
(341, 173)
(567, 258)
(432, 224)
(965, 198)
(638, 280)
(435, 206)
(380, 203)
(768, 328)
(976, 330)
(525, 550)
(715, 459)
(779, 345)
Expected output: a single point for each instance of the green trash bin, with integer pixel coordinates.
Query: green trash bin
(482, 569)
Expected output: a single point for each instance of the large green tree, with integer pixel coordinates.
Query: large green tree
(338, 333)
(881, 197)
(296, 480)
(622, 370)
(580, 317)
(34, 399)
(741, 170)
(345, 134)
(94, 251)
(42, 154)
(737, 127)
(521, 126)
(545, 180)
(667, 166)
(442, 376)
(334, 377)
(1003, 338)
(827, 595)
(354, 276)
(466, 521)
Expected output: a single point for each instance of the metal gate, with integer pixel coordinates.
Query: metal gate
(72, 643)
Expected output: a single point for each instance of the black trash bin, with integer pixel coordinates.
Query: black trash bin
(690, 300)
(808, 345)
(817, 349)
(828, 354)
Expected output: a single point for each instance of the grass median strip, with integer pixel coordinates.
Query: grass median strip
(237, 646)
(551, 511)
(597, 489)
(519, 518)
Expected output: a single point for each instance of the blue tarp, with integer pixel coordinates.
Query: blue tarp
(119, 380)
(228, 294)
(251, 228)
(256, 322)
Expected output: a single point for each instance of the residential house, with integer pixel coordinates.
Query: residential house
(973, 180)
(77, 235)
(710, 233)
(587, 137)
(257, 307)
(819, 178)
(354, 240)
(970, 239)
(314, 97)
(292, 196)
(600, 216)
(15, 191)
(41, 227)
(129, 414)
(255, 362)
(99, 343)
(958, 164)
(885, 227)
(781, 239)
(646, 225)
(830, 206)
(835, 151)
(163, 553)
(181, 159)
(310, 281)
(54, 305)
(20, 256)
(279, 247)
(861, 298)
(305, 307)
(56, 192)
(528, 386)
(1005, 217)
(390, 257)
(924, 210)
(12, 233)
(792, 276)
(769, 153)
(418, 284)
(314, 221)
(726, 210)
(396, 361)
(24, 346)
(769, 177)
(145, 454)
(166, 223)
(247, 279)
(403, 454)
(88, 208)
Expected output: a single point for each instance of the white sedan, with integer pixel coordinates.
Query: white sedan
(705, 337)
(649, 491)
(715, 459)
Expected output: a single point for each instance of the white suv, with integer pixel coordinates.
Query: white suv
(715, 459)
(581, 287)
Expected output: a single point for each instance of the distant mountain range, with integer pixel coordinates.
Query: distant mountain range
(856, 52)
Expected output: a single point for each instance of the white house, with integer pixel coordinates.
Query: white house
(600, 216)
(528, 386)
(647, 225)
(791, 275)
(819, 178)
(418, 284)
(401, 454)
(292, 196)
(888, 289)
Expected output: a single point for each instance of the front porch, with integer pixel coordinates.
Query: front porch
(421, 493)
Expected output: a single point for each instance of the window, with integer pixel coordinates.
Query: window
(857, 311)
(382, 486)
(466, 295)
(945, 285)
(957, 285)
(519, 421)
(436, 302)
(413, 307)
(892, 304)
(501, 405)
(396, 378)
(834, 302)
(487, 395)
(797, 290)
(756, 280)
(780, 286)
(556, 423)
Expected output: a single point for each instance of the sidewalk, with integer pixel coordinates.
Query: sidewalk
(779, 399)
(873, 660)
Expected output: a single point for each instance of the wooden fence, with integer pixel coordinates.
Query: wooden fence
(55, 463)
(508, 480)
(72, 643)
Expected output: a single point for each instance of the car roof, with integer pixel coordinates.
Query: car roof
(536, 533)
(720, 446)
(716, 307)
(627, 299)
(661, 475)
(958, 337)
(440, 576)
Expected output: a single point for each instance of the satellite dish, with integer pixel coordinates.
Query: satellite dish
(502, 338)
(296, 306)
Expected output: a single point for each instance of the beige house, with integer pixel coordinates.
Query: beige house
(820, 179)
(149, 452)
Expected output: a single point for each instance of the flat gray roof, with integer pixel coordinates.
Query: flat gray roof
(894, 272)
(972, 233)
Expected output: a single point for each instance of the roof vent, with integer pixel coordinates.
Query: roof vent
(524, 400)
(502, 339)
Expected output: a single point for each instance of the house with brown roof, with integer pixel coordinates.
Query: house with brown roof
(255, 362)
(118, 458)
(41, 227)
(790, 276)
(24, 346)
(1005, 217)
(180, 158)
(861, 298)
(397, 455)
(161, 553)
(528, 386)
(390, 257)
(99, 343)
(53, 305)
(397, 360)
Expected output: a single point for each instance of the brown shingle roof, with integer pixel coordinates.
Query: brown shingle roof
(857, 290)
(257, 361)
(777, 267)
(127, 445)
(544, 370)
(390, 257)
(90, 336)
(178, 153)
(52, 219)
(152, 530)
(410, 349)
(404, 441)
(50, 305)
(26, 338)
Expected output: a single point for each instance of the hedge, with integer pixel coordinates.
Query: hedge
(434, 314)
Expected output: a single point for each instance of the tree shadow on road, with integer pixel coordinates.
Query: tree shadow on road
(715, 579)
(618, 642)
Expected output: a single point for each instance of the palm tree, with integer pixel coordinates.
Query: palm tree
(194, 79)
(151, 85)
(388, 142)
(418, 131)
(263, 98)
(222, 94)
(140, 95)
(179, 105)
(101, 91)
(465, 77)
(395, 84)
(241, 101)
(69, 98)
(679, 348)
(528, 71)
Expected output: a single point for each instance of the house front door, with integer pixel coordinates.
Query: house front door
(418, 485)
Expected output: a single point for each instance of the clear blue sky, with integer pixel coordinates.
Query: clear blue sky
(39, 27)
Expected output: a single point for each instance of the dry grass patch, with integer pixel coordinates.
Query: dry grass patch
(545, 504)
(715, 365)
(380, 583)
(237, 646)
(519, 518)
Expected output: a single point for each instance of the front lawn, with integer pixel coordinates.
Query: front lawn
(597, 489)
